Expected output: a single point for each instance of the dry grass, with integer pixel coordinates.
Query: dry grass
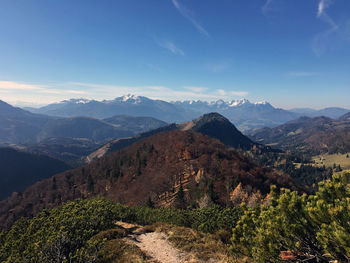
(119, 251)
(329, 159)
(116, 249)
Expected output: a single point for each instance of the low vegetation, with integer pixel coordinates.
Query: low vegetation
(310, 227)
(306, 226)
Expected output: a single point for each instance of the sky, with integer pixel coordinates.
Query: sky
(292, 53)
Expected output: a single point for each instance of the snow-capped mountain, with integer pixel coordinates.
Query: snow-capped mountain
(75, 101)
(129, 98)
(125, 105)
(244, 114)
(221, 104)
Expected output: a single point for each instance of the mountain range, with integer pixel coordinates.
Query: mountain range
(127, 105)
(19, 126)
(312, 135)
(243, 113)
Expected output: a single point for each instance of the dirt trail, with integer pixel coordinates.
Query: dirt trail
(154, 244)
(157, 246)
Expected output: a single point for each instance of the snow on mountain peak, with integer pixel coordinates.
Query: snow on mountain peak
(236, 103)
(221, 103)
(261, 102)
(76, 101)
(130, 97)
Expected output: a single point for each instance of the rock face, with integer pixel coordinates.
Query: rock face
(176, 168)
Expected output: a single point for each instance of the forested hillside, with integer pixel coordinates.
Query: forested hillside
(172, 169)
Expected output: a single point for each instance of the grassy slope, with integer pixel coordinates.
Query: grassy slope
(329, 159)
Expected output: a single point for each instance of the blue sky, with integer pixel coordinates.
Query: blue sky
(292, 53)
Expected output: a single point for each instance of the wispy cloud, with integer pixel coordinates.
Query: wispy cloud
(231, 93)
(321, 13)
(190, 16)
(24, 94)
(17, 86)
(323, 40)
(266, 7)
(169, 45)
(322, 6)
(301, 74)
(197, 89)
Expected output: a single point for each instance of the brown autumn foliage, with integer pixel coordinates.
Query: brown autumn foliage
(156, 167)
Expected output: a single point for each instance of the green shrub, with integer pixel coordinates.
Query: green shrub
(315, 226)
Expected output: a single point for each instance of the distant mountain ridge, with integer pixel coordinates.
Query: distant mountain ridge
(125, 105)
(313, 135)
(244, 114)
(330, 112)
(18, 126)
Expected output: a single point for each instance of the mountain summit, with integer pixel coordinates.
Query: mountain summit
(217, 126)
(212, 124)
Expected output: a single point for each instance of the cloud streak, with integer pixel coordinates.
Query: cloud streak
(322, 41)
(190, 16)
(170, 46)
(322, 6)
(321, 13)
(16, 86)
(266, 7)
(24, 94)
